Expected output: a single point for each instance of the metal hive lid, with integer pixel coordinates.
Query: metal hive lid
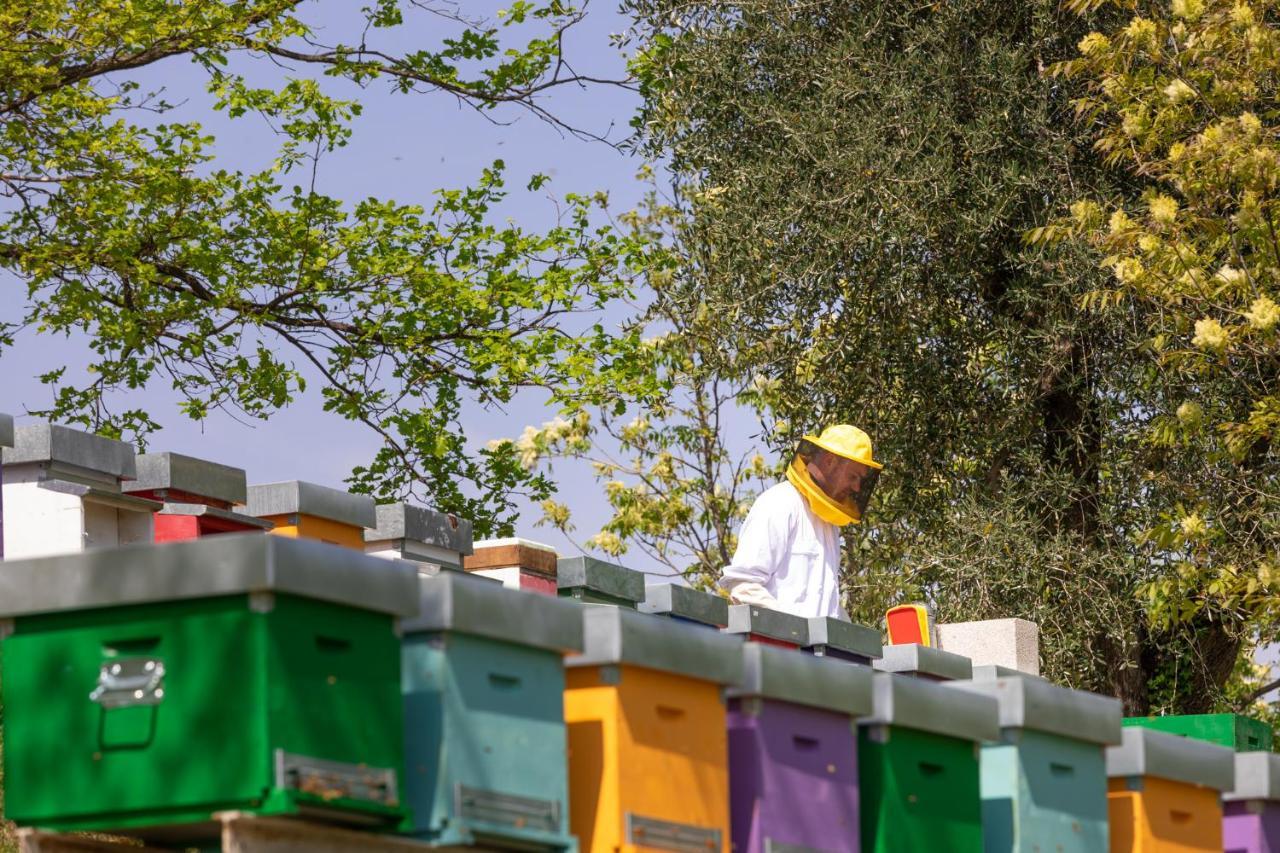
(771, 672)
(614, 635)
(187, 474)
(1257, 777)
(670, 599)
(206, 511)
(229, 564)
(924, 660)
(844, 636)
(1032, 703)
(992, 671)
(6, 430)
(453, 601)
(926, 706)
(296, 496)
(1146, 752)
(774, 624)
(60, 446)
(599, 576)
(419, 524)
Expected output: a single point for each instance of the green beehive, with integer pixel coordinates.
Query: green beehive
(485, 742)
(1044, 785)
(1241, 734)
(593, 581)
(146, 688)
(918, 766)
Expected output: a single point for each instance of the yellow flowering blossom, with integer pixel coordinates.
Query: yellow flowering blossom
(1193, 526)
(1163, 209)
(1188, 10)
(1119, 222)
(1141, 30)
(1128, 270)
(1178, 91)
(1263, 314)
(1210, 335)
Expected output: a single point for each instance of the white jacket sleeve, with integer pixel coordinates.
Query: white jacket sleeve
(763, 545)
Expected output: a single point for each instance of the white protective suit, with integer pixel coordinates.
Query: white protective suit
(787, 558)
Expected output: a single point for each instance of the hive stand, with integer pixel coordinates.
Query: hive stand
(648, 744)
(924, 662)
(436, 541)
(307, 511)
(1044, 785)
(593, 581)
(1164, 792)
(841, 640)
(62, 493)
(6, 440)
(516, 563)
(771, 627)
(1235, 731)
(483, 683)
(197, 496)
(918, 766)
(1251, 810)
(240, 832)
(686, 604)
(248, 671)
(793, 751)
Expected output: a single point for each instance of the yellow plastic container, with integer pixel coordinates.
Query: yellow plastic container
(648, 743)
(307, 511)
(1164, 794)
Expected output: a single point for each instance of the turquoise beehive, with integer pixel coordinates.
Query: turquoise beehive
(485, 745)
(1044, 783)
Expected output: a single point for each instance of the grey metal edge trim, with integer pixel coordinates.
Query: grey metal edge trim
(1257, 777)
(211, 480)
(844, 636)
(106, 497)
(428, 526)
(771, 672)
(600, 576)
(297, 496)
(992, 671)
(215, 512)
(775, 624)
(670, 599)
(229, 564)
(60, 445)
(924, 660)
(6, 430)
(615, 635)
(912, 703)
(1037, 705)
(462, 603)
(1145, 752)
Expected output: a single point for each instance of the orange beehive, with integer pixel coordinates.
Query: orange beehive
(648, 744)
(1165, 793)
(307, 511)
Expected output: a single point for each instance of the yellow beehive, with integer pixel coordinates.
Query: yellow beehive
(1164, 794)
(648, 744)
(306, 511)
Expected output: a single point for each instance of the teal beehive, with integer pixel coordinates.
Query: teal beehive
(1044, 783)
(485, 744)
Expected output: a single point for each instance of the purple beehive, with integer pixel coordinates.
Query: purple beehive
(793, 752)
(1251, 812)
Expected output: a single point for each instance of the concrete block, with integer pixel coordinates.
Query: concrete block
(6, 430)
(1011, 643)
(512, 552)
(71, 454)
(424, 526)
(158, 474)
(296, 497)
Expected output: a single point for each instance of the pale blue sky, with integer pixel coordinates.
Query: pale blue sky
(403, 148)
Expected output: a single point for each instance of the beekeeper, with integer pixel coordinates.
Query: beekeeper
(788, 555)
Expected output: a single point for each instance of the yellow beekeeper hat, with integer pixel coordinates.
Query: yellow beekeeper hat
(847, 441)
